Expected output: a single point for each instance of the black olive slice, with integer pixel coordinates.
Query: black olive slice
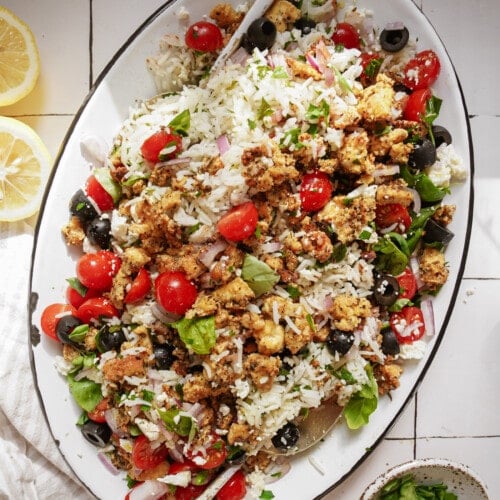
(339, 341)
(81, 206)
(441, 135)
(261, 34)
(96, 433)
(286, 437)
(434, 232)
(98, 232)
(423, 154)
(305, 25)
(394, 40)
(390, 344)
(386, 290)
(65, 326)
(164, 356)
(109, 337)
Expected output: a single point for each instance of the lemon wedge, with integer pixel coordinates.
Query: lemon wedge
(19, 58)
(25, 164)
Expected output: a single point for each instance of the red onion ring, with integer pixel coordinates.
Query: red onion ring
(148, 490)
(428, 314)
(222, 144)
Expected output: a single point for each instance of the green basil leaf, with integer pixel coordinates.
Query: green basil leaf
(79, 333)
(427, 190)
(258, 275)
(363, 403)
(180, 124)
(197, 334)
(390, 258)
(85, 392)
(76, 284)
(180, 424)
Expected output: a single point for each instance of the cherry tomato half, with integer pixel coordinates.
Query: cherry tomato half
(98, 413)
(408, 324)
(97, 270)
(190, 492)
(216, 453)
(407, 284)
(234, 489)
(370, 62)
(144, 456)
(393, 213)
(422, 70)
(175, 292)
(95, 191)
(204, 36)
(347, 35)
(139, 287)
(239, 223)
(161, 146)
(76, 299)
(51, 316)
(415, 105)
(315, 191)
(95, 308)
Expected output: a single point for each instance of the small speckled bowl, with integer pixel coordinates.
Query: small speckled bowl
(459, 478)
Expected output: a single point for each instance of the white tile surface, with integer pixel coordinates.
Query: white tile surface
(455, 412)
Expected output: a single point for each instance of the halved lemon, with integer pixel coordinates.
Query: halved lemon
(25, 164)
(19, 58)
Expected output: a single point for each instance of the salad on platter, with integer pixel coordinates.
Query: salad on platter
(259, 240)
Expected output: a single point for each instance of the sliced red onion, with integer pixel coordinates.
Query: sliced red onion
(312, 61)
(329, 77)
(207, 256)
(240, 56)
(390, 228)
(148, 490)
(223, 144)
(162, 315)
(394, 26)
(428, 314)
(218, 483)
(111, 417)
(415, 268)
(176, 163)
(107, 463)
(176, 455)
(417, 201)
(271, 247)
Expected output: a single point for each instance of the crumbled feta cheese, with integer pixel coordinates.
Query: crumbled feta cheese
(62, 365)
(447, 168)
(149, 429)
(181, 479)
(415, 350)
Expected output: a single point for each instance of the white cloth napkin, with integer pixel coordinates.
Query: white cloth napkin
(31, 465)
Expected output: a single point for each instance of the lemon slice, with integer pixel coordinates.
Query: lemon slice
(25, 164)
(19, 58)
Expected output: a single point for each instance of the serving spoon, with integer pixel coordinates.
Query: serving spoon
(312, 428)
(258, 9)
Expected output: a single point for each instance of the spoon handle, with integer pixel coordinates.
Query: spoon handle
(258, 8)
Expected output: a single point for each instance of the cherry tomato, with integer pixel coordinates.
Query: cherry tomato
(161, 146)
(175, 292)
(95, 308)
(97, 270)
(415, 105)
(234, 489)
(370, 62)
(315, 191)
(190, 492)
(95, 191)
(239, 223)
(204, 36)
(144, 456)
(422, 70)
(407, 284)
(51, 316)
(139, 287)
(97, 414)
(347, 35)
(393, 213)
(408, 324)
(216, 453)
(76, 300)
(187, 465)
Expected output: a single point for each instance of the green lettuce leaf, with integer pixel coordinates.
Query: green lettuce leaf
(85, 392)
(197, 333)
(363, 403)
(258, 275)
